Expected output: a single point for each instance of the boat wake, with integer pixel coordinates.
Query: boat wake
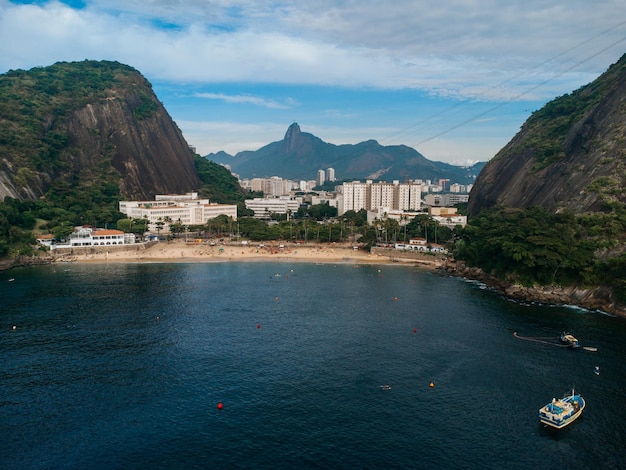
(542, 339)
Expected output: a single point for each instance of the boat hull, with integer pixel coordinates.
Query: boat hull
(569, 340)
(574, 406)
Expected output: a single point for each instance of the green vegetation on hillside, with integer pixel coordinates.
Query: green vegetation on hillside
(34, 107)
(546, 130)
(532, 246)
(35, 104)
(218, 184)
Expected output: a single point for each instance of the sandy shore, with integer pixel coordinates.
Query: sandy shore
(179, 251)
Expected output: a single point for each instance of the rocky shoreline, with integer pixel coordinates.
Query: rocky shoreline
(596, 298)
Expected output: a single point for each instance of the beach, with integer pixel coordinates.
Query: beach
(182, 251)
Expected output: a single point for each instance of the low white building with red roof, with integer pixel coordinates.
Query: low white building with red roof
(88, 236)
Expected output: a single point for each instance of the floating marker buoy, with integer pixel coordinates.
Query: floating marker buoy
(258, 326)
(14, 327)
(220, 406)
(276, 299)
(414, 330)
(432, 385)
(395, 298)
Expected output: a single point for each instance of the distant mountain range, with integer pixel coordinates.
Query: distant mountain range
(300, 155)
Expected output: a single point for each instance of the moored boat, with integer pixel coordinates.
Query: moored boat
(562, 412)
(569, 339)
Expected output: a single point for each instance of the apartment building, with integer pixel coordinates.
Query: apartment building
(264, 207)
(372, 196)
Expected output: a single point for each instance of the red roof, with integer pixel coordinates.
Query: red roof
(99, 233)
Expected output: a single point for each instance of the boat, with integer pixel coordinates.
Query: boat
(569, 340)
(562, 412)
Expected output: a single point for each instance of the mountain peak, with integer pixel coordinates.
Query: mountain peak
(291, 136)
(293, 132)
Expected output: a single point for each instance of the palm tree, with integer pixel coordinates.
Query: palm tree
(168, 220)
(159, 226)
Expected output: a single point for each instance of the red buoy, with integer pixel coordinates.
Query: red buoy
(258, 326)
(220, 406)
(414, 330)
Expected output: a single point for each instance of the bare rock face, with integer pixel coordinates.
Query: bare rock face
(85, 121)
(150, 154)
(569, 155)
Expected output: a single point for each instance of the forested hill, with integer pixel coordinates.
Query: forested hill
(550, 207)
(88, 127)
(76, 138)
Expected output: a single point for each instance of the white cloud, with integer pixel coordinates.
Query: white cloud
(475, 54)
(488, 49)
(246, 99)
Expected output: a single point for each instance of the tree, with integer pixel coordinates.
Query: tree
(159, 225)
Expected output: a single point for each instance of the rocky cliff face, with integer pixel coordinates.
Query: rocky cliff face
(113, 125)
(569, 155)
(150, 154)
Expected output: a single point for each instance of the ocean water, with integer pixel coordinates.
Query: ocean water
(123, 366)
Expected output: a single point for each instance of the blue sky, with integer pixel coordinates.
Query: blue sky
(455, 79)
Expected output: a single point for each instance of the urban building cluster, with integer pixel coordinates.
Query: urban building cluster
(165, 210)
(395, 200)
(276, 186)
(381, 200)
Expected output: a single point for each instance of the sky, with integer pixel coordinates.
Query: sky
(454, 79)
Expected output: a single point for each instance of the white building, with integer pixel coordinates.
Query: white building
(373, 196)
(382, 213)
(330, 174)
(264, 207)
(447, 216)
(445, 200)
(323, 197)
(186, 209)
(274, 186)
(421, 247)
(355, 196)
(88, 236)
(321, 177)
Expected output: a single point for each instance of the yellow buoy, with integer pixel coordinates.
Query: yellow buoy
(432, 385)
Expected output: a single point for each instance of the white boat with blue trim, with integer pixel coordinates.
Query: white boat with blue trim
(562, 412)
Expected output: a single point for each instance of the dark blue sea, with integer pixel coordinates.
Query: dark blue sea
(122, 366)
